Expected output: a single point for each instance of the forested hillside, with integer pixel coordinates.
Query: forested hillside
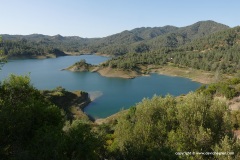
(37, 45)
(216, 52)
(24, 48)
(151, 39)
(138, 40)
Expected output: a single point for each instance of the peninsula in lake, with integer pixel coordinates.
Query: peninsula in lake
(198, 59)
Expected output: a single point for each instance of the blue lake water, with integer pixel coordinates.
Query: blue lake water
(110, 94)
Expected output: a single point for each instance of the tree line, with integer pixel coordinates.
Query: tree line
(24, 47)
(138, 40)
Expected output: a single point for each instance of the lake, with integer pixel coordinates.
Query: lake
(110, 94)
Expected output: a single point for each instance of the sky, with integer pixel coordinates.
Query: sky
(101, 18)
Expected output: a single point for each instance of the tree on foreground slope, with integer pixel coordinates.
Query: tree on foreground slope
(32, 128)
(157, 128)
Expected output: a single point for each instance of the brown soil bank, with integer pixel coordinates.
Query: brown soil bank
(110, 72)
(193, 74)
(72, 103)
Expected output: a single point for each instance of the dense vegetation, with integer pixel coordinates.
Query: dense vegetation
(31, 127)
(23, 47)
(138, 40)
(160, 127)
(227, 88)
(43, 44)
(217, 52)
(2, 56)
(141, 40)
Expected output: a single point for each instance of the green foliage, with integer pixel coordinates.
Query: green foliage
(227, 145)
(140, 48)
(21, 48)
(48, 143)
(233, 81)
(141, 40)
(82, 142)
(226, 88)
(227, 91)
(23, 112)
(142, 132)
(195, 123)
(235, 117)
(32, 128)
(2, 57)
(82, 63)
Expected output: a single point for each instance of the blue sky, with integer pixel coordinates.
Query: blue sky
(100, 18)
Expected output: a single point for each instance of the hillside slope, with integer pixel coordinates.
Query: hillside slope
(218, 52)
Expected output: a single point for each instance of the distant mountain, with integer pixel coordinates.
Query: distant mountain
(136, 41)
(186, 34)
(201, 29)
(136, 35)
(194, 31)
(150, 39)
(221, 40)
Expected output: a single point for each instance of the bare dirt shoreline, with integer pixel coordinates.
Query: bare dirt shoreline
(109, 72)
(193, 74)
(203, 77)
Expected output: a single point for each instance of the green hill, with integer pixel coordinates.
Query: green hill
(151, 39)
(216, 52)
(135, 41)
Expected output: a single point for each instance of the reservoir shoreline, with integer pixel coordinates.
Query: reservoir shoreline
(200, 76)
(113, 93)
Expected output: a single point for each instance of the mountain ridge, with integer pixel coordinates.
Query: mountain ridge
(137, 40)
